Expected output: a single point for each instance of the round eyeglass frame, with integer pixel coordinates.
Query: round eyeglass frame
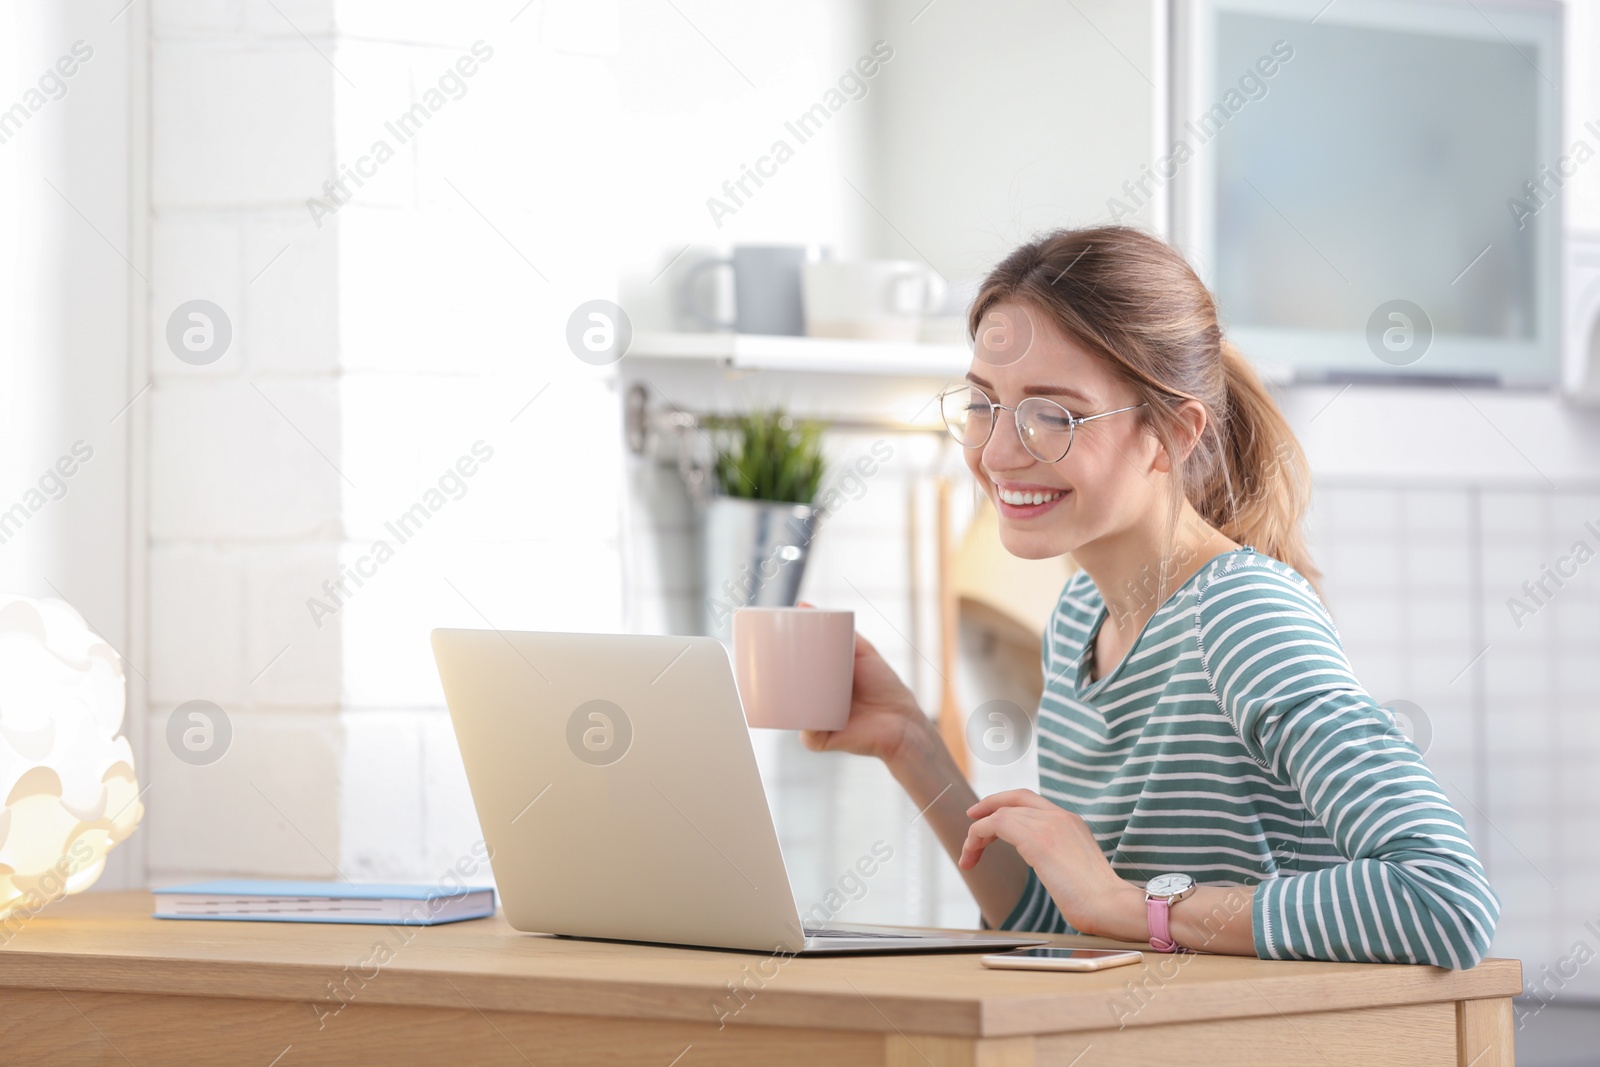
(1073, 421)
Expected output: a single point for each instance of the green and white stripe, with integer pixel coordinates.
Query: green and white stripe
(1235, 744)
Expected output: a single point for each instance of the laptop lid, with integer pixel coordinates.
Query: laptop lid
(616, 787)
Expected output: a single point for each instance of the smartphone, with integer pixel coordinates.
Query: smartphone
(1063, 959)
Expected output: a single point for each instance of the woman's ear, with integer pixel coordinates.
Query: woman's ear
(1188, 426)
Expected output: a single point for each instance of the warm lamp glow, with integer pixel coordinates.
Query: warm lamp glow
(66, 776)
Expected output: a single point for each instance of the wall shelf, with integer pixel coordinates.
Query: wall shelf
(830, 355)
(820, 355)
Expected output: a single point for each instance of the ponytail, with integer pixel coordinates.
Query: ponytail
(1258, 489)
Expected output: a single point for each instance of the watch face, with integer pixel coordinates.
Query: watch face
(1168, 885)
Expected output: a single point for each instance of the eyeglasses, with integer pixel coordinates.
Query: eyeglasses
(1045, 427)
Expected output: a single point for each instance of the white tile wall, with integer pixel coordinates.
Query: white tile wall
(1514, 735)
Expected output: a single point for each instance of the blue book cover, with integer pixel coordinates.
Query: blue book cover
(271, 900)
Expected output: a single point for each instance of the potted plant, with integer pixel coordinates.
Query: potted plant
(759, 519)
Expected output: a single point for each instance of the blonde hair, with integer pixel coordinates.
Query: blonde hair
(1132, 299)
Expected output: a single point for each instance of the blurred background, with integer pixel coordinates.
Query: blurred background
(350, 320)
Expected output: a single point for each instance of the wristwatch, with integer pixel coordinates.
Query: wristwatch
(1160, 893)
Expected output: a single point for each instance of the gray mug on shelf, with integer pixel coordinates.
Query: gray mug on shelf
(766, 290)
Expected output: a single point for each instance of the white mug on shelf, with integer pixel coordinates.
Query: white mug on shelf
(766, 289)
(870, 299)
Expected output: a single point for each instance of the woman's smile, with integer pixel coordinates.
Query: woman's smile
(1017, 500)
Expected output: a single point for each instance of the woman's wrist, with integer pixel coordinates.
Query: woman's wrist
(1122, 915)
(1213, 919)
(918, 752)
(926, 770)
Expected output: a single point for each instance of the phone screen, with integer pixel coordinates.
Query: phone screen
(1066, 953)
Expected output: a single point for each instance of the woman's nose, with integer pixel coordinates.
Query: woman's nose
(1004, 450)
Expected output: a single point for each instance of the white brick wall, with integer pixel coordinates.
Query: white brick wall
(246, 459)
(261, 809)
(289, 661)
(238, 122)
(383, 762)
(244, 497)
(289, 315)
(369, 354)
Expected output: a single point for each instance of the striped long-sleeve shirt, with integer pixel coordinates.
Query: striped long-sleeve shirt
(1233, 743)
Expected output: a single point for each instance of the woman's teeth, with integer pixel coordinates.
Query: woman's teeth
(1011, 497)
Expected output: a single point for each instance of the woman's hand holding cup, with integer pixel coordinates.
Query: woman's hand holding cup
(883, 711)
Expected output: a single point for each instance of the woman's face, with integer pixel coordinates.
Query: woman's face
(1103, 485)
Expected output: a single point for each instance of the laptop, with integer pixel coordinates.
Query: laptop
(620, 799)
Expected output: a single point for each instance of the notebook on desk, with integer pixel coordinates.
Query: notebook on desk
(267, 900)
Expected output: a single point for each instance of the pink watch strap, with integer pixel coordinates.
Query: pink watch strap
(1157, 911)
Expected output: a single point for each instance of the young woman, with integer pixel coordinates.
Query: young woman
(1213, 776)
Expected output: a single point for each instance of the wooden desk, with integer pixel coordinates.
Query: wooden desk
(95, 980)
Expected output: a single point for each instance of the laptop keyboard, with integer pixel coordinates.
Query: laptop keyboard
(852, 933)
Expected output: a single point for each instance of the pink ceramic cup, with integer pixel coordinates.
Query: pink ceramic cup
(795, 666)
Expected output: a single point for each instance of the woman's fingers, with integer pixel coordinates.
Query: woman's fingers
(1004, 825)
(1021, 798)
(980, 835)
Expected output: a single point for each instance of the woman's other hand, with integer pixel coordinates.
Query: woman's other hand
(1057, 844)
